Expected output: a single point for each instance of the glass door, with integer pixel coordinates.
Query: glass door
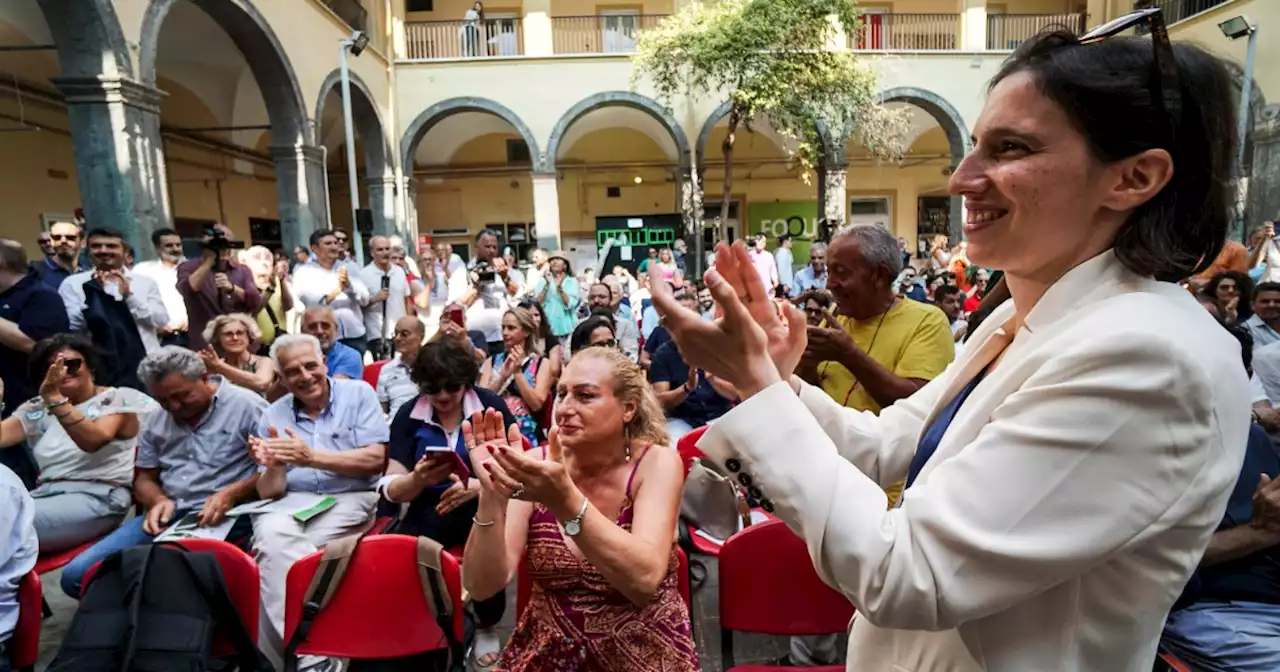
(618, 30)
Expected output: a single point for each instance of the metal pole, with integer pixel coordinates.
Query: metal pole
(354, 183)
(1242, 134)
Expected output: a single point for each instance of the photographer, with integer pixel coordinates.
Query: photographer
(489, 291)
(216, 284)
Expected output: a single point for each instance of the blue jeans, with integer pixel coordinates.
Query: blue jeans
(128, 534)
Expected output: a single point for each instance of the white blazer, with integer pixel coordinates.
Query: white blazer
(1065, 508)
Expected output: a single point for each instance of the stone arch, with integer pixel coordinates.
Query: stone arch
(948, 117)
(431, 116)
(266, 56)
(89, 38)
(620, 99)
(824, 135)
(367, 119)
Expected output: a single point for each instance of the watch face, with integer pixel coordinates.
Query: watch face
(572, 528)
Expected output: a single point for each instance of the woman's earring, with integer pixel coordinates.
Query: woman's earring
(626, 439)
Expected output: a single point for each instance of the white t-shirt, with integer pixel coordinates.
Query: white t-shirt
(58, 456)
(166, 277)
(397, 290)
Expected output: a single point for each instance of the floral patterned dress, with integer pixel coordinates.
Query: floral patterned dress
(530, 428)
(577, 622)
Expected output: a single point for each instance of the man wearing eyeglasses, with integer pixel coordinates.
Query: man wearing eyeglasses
(66, 260)
(601, 297)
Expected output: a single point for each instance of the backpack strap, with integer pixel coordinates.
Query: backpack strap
(436, 594)
(324, 583)
(133, 597)
(224, 614)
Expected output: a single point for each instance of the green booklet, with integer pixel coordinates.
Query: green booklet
(314, 510)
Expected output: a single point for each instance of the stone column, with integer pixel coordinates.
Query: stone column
(546, 210)
(955, 220)
(382, 201)
(537, 28)
(834, 197)
(411, 208)
(115, 131)
(302, 190)
(973, 25)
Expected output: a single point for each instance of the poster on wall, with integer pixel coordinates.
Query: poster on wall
(798, 218)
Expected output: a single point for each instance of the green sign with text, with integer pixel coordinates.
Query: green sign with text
(798, 218)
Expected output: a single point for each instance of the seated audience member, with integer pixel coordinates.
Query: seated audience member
(519, 374)
(327, 437)
(82, 436)
(341, 360)
(815, 303)
(395, 385)
(1234, 293)
(594, 517)
(442, 505)
(596, 330)
(453, 324)
(18, 551)
(1228, 616)
(691, 397)
(978, 279)
(233, 341)
(1266, 314)
(949, 299)
(193, 455)
(659, 336)
(607, 295)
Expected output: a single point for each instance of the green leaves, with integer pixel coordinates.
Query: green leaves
(781, 59)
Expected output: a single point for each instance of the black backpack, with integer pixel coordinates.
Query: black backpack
(154, 608)
(326, 581)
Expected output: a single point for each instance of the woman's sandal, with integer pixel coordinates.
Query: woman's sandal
(487, 648)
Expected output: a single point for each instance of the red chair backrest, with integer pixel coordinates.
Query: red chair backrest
(25, 645)
(239, 573)
(768, 585)
(687, 446)
(524, 584)
(371, 371)
(361, 619)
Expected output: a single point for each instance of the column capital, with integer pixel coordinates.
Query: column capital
(301, 153)
(382, 182)
(102, 90)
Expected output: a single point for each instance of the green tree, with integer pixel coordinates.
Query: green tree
(774, 59)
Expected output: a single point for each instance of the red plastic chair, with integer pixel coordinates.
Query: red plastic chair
(1173, 663)
(25, 644)
(371, 371)
(239, 573)
(50, 561)
(524, 584)
(785, 598)
(383, 565)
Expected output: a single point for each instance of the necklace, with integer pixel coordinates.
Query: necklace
(874, 335)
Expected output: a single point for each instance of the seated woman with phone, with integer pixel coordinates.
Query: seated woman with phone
(430, 469)
(82, 436)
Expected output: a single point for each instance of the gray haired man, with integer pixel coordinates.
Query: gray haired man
(193, 456)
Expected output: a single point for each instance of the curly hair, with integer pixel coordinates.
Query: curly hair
(649, 424)
(213, 329)
(445, 362)
(44, 352)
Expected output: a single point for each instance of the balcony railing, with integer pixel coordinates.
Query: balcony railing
(427, 40)
(608, 34)
(909, 32)
(1007, 31)
(350, 11)
(1177, 10)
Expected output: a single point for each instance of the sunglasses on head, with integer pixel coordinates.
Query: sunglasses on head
(451, 388)
(1168, 85)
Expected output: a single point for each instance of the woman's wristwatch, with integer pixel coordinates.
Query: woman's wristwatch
(573, 526)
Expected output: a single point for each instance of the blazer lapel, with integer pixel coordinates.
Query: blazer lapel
(991, 348)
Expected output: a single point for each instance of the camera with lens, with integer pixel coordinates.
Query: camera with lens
(484, 271)
(218, 241)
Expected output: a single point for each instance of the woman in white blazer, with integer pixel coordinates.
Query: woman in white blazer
(1066, 472)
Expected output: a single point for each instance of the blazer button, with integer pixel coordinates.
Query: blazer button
(755, 493)
(745, 480)
(766, 505)
(732, 464)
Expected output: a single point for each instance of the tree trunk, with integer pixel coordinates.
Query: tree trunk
(735, 116)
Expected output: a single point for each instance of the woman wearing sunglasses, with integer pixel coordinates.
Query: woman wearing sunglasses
(1065, 474)
(82, 437)
(442, 501)
(598, 330)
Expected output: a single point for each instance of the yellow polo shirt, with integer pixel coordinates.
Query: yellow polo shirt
(911, 339)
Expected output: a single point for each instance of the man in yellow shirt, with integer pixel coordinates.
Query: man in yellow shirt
(879, 349)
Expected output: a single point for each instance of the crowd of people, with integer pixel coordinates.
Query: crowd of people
(528, 411)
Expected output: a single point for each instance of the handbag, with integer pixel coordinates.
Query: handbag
(712, 502)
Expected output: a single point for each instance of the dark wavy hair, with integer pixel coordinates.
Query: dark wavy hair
(44, 352)
(445, 362)
(1109, 91)
(1244, 287)
(581, 336)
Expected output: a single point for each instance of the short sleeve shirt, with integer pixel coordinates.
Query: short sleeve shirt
(343, 360)
(58, 456)
(352, 420)
(195, 461)
(703, 404)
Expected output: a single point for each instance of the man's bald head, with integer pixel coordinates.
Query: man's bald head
(408, 337)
